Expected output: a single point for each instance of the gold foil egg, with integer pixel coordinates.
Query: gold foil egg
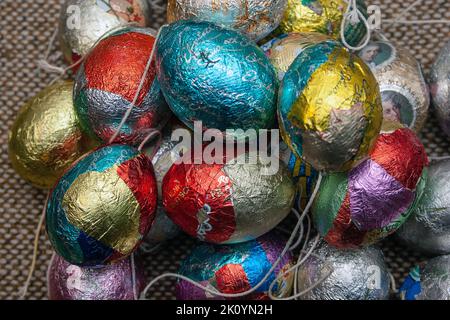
(404, 92)
(45, 137)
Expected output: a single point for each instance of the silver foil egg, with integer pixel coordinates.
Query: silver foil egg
(404, 92)
(440, 87)
(353, 274)
(435, 279)
(253, 18)
(428, 229)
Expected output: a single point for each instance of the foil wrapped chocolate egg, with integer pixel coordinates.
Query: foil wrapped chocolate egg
(217, 76)
(113, 282)
(235, 269)
(404, 92)
(428, 229)
(329, 107)
(46, 137)
(107, 82)
(352, 274)
(283, 50)
(375, 198)
(103, 206)
(83, 22)
(255, 19)
(324, 16)
(227, 203)
(440, 87)
(428, 281)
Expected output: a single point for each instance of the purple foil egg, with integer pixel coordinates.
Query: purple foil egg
(112, 282)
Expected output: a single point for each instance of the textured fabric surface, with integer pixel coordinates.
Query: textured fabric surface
(25, 29)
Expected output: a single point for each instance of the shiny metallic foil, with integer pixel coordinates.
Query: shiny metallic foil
(324, 16)
(106, 85)
(46, 137)
(329, 107)
(163, 228)
(404, 92)
(103, 206)
(234, 269)
(435, 279)
(355, 274)
(253, 18)
(283, 51)
(83, 22)
(375, 198)
(227, 203)
(70, 282)
(440, 87)
(217, 76)
(428, 229)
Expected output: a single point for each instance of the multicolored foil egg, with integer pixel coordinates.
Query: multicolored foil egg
(283, 50)
(440, 87)
(217, 76)
(83, 22)
(163, 228)
(428, 229)
(404, 92)
(235, 269)
(255, 19)
(329, 107)
(324, 16)
(113, 282)
(432, 281)
(352, 274)
(107, 82)
(227, 203)
(103, 206)
(46, 137)
(373, 199)
(303, 175)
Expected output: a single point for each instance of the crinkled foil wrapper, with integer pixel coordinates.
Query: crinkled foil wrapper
(376, 197)
(103, 206)
(253, 18)
(228, 203)
(324, 16)
(404, 92)
(355, 274)
(46, 137)
(70, 282)
(435, 279)
(329, 107)
(83, 22)
(440, 87)
(106, 85)
(217, 76)
(235, 269)
(283, 50)
(428, 229)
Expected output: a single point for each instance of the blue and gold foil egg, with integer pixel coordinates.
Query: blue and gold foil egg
(215, 75)
(103, 206)
(329, 107)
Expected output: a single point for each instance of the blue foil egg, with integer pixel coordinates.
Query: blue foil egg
(215, 75)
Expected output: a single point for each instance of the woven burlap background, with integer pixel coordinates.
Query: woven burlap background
(25, 28)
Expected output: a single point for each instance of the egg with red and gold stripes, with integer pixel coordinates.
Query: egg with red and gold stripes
(103, 206)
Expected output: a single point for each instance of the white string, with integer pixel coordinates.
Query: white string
(393, 283)
(141, 84)
(353, 16)
(49, 268)
(35, 252)
(439, 158)
(152, 133)
(213, 290)
(149, 249)
(133, 277)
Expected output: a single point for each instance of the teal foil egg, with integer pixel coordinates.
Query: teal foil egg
(217, 76)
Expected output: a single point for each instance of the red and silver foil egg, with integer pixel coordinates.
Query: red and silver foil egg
(227, 203)
(83, 22)
(108, 81)
(114, 282)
